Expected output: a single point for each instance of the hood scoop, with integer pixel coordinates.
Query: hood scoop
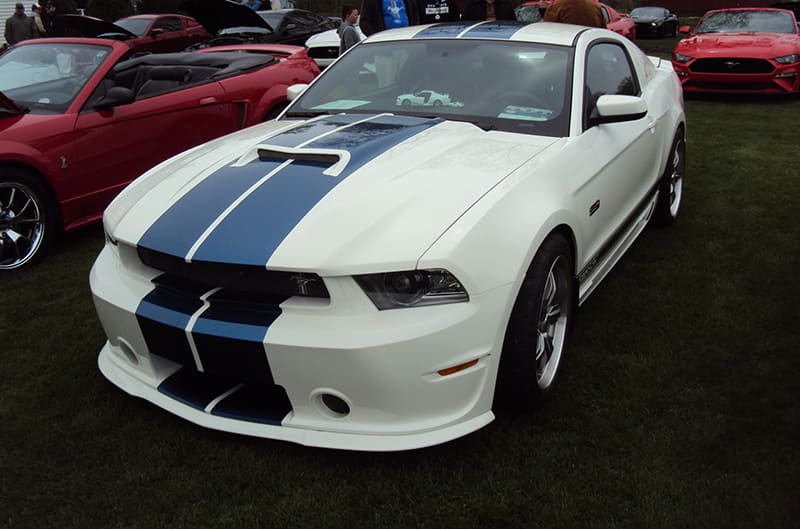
(335, 160)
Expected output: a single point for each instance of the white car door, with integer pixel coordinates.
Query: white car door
(621, 172)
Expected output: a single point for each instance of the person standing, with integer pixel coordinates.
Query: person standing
(19, 26)
(580, 12)
(36, 9)
(488, 10)
(348, 36)
(48, 17)
(377, 15)
(432, 11)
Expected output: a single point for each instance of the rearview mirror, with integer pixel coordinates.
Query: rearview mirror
(116, 96)
(294, 91)
(618, 108)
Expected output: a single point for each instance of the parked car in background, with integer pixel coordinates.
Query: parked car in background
(653, 21)
(367, 276)
(78, 121)
(324, 47)
(141, 33)
(232, 23)
(168, 32)
(616, 22)
(741, 50)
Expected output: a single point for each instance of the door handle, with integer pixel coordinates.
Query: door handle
(208, 101)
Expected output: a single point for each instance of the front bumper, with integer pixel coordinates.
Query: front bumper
(380, 369)
(785, 79)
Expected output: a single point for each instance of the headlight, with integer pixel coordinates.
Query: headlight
(681, 58)
(654, 24)
(788, 59)
(413, 288)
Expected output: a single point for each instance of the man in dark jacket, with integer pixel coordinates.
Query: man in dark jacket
(348, 37)
(476, 10)
(377, 15)
(19, 26)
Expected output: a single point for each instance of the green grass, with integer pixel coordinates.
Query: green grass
(678, 406)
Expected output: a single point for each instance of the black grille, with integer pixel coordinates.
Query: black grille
(243, 278)
(731, 66)
(749, 87)
(330, 52)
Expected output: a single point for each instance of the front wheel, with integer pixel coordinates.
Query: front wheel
(27, 220)
(670, 189)
(536, 336)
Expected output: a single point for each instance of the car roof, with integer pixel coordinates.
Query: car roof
(539, 32)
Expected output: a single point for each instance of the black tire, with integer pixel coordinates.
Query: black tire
(536, 336)
(670, 188)
(28, 220)
(406, 103)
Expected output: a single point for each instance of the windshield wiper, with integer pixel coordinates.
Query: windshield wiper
(306, 114)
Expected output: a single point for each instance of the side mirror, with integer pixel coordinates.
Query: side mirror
(618, 108)
(294, 91)
(116, 96)
(685, 29)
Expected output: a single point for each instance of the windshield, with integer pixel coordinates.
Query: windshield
(512, 86)
(48, 76)
(649, 12)
(137, 26)
(272, 18)
(750, 21)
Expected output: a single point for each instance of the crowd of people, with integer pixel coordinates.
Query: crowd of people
(21, 26)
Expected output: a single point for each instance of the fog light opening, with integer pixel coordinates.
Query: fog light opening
(332, 405)
(127, 352)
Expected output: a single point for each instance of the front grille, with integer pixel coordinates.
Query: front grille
(243, 278)
(330, 52)
(731, 65)
(748, 87)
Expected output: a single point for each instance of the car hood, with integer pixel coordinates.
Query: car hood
(90, 27)
(215, 15)
(7, 106)
(758, 45)
(364, 193)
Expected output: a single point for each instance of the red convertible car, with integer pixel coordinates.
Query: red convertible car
(79, 120)
(742, 50)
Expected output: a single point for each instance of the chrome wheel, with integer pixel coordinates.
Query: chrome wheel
(22, 225)
(551, 329)
(676, 177)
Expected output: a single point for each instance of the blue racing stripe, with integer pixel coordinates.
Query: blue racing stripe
(494, 30)
(184, 222)
(443, 31)
(307, 131)
(250, 234)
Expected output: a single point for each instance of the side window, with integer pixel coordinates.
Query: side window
(169, 24)
(606, 16)
(608, 72)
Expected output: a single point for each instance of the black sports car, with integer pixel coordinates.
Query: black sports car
(234, 23)
(655, 21)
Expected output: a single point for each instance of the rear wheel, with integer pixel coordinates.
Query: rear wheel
(537, 331)
(27, 219)
(670, 189)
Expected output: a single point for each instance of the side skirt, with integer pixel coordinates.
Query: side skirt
(597, 269)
